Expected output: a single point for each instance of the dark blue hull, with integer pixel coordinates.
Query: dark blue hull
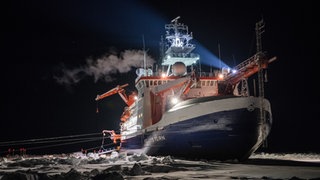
(233, 134)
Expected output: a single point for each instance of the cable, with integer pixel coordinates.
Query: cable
(59, 141)
(43, 139)
(50, 141)
(60, 144)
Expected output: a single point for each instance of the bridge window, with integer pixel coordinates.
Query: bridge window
(140, 85)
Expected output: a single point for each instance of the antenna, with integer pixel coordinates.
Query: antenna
(219, 55)
(144, 57)
(175, 19)
(234, 61)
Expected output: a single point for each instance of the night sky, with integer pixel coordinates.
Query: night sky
(42, 39)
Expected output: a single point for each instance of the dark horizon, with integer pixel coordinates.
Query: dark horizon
(42, 38)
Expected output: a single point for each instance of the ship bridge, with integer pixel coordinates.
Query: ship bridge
(188, 60)
(178, 47)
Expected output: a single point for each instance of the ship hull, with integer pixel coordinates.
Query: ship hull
(208, 128)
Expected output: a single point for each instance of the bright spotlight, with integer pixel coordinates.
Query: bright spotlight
(234, 71)
(135, 97)
(163, 75)
(220, 76)
(174, 100)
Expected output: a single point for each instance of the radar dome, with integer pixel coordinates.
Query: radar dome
(179, 69)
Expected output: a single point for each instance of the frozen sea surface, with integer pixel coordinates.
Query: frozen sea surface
(143, 167)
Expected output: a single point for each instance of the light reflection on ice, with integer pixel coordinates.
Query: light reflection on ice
(140, 166)
(303, 157)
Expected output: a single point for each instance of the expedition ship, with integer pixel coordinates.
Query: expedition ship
(182, 112)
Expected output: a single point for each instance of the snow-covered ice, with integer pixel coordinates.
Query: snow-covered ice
(143, 167)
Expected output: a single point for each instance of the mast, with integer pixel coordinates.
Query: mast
(259, 30)
(259, 54)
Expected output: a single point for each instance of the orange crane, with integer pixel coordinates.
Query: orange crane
(247, 68)
(116, 138)
(129, 100)
(120, 90)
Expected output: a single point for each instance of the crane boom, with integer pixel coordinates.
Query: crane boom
(246, 69)
(119, 89)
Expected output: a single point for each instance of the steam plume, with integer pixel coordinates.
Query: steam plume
(104, 67)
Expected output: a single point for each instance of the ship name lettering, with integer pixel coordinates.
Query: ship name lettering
(158, 138)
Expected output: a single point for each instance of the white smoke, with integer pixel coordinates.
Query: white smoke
(104, 67)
